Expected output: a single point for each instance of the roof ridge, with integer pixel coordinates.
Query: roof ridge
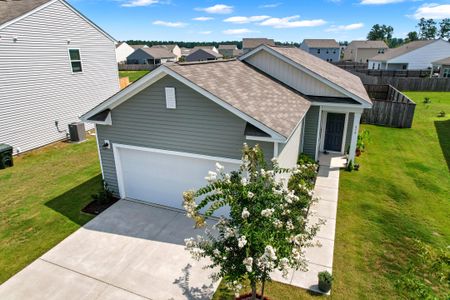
(186, 63)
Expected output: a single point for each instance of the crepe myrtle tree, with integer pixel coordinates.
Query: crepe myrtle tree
(266, 229)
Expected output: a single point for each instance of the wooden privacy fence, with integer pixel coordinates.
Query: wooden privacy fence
(137, 67)
(390, 107)
(407, 83)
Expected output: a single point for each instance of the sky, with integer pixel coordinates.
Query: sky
(282, 20)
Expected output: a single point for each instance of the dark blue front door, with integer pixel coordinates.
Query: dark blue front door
(334, 132)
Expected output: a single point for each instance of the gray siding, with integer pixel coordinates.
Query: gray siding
(348, 137)
(37, 86)
(197, 125)
(200, 55)
(138, 57)
(310, 131)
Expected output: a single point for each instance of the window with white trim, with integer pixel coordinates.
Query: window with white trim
(446, 73)
(171, 102)
(75, 60)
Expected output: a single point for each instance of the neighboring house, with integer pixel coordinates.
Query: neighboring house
(326, 49)
(185, 52)
(211, 48)
(417, 55)
(362, 51)
(151, 56)
(229, 51)
(173, 48)
(135, 47)
(162, 134)
(203, 54)
(249, 44)
(123, 50)
(50, 74)
(443, 65)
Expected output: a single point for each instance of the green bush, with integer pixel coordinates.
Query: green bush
(104, 196)
(363, 140)
(325, 281)
(304, 158)
(427, 100)
(303, 180)
(350, 166)
(441, 114)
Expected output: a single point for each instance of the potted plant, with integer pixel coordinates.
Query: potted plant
(325, 280)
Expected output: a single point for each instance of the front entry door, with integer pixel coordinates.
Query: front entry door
(334, 132)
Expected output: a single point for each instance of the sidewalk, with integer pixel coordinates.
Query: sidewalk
(320, 258)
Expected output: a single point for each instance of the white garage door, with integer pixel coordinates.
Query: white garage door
(161, 177)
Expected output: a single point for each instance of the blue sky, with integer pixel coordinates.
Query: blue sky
(283, 20)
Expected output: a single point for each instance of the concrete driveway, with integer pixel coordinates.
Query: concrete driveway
(130, 251)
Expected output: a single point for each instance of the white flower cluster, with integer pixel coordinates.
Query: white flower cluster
(284, 266)
(250, 195)
(289, 225)
(235, 286)
(212, 176)
(193, 246)
(244, 181)
(268, 212)
(245, 213)
(291, 197)
(189, 204)
(277, 223)
(219, 168)
(267, 260)
(242, 241)
(248, 263)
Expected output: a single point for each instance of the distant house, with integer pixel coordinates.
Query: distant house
(203, 54)
(229, 50)
(135, 47)
(362, 51)
(417, 55)
(49, 75)
(443, 65)
(326, 49)
(122, 52)
(185, 52)
(249, 44)
(151, 56)
(173, 48)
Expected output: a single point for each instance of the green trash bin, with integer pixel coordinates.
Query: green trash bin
(6, 157)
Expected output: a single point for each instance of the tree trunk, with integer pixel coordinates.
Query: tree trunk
(262, 288)
(253, 285)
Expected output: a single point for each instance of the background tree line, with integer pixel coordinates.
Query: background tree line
(194, 44)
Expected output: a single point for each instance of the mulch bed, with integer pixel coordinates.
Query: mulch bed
(249, 296)
(95, 208)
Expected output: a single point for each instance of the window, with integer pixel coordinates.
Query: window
(446, 73)
(318, 51)
(75, 60)
(170, 98)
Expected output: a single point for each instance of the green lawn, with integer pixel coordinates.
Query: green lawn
(40, 200)
(401, 193)
(132, 75)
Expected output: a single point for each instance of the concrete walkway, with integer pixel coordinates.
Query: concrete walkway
(320, 258)
(130, 251)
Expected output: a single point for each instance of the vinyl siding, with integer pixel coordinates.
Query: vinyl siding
(37, 86)
(200, 55)
(122, 52)
(334, 54)
(422, 58)
(288, 154)
(310, 131)
(290, 75)
(197, 125)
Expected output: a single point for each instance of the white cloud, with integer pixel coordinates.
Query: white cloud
(203, 19)
(244, 20)
(270, 5)
(292, 22)
(170, 24)
(353, 26)
(379, 2)
(134, 3)
(217, 9)
(433, 11)
(237, 31)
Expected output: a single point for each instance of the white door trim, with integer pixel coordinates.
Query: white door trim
(324, 125)
(119, 169)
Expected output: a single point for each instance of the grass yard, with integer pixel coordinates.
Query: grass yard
(40, 200)
(132, 75)
(401, 193)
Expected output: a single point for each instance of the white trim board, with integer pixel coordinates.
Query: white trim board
(307, 71)
(118, 165)
(159, 73)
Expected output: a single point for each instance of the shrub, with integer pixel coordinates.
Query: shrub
(304, 158)
(427, 100)
(325, 281)
(441, 114)
(350, 166)
(363, 140)
(104, 196)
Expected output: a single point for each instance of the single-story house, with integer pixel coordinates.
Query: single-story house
(161, 135)
(362, 51)
(249, 44)
(417, 55)
(326, 49)
(151, 56)
(123, 50)
(229, 51)
(203, 54)
(443, 65)
(54, 65)
(173, 48)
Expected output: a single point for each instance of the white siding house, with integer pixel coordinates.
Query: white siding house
(54, 65)
(123, 50)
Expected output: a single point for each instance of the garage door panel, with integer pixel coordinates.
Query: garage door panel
(161, 178)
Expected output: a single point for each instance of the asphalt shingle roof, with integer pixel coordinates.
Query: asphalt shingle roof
(250, 91)
(158, 53)
(321, 43)
(251, 43)
(11, 9)
(330, 72)
(368, 44)
(395, 52)
(445, 61)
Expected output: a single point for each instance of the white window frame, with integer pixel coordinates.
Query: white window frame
(70, 60)
(446, 73)
(169, 103)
